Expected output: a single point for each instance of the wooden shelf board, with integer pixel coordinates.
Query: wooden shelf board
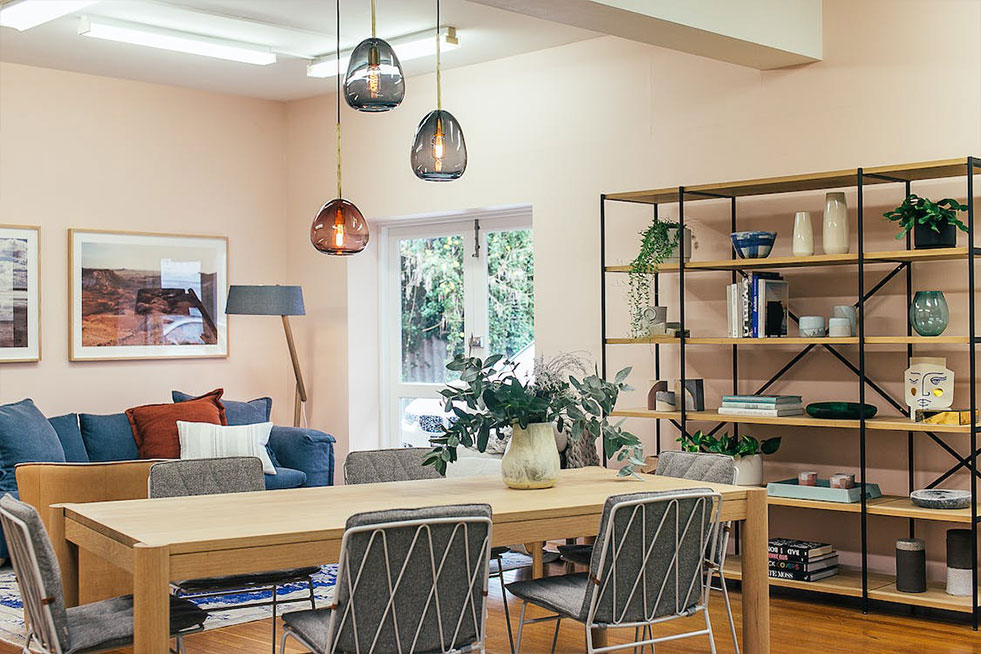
(893, 506)
(877, 423)
(798, 183)
(796, 340)
(816, 261)
(847, 582)
(935, 597)
(818, 505)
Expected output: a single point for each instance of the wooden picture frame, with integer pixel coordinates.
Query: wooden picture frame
(146, 295)
(20, 293)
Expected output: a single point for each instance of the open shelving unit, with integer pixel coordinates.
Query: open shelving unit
(858, 581)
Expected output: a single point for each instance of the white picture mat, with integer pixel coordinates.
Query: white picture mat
(33, 350)
(80, 352)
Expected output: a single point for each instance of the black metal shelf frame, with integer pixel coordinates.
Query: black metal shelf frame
(859, 370)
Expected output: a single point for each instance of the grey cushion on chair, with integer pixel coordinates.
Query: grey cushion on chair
(109, 623)
(206, 477)
(399, 464)
(700, 466)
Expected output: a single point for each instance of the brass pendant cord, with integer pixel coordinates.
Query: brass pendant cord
(372, 18)
(338, 80)
(439, 70)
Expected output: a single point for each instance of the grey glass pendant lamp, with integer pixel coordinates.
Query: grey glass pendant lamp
(374, 80)
(439, 151)
(339, 228)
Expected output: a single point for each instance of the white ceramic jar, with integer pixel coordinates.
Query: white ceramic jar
(835, 232)
(803, 234)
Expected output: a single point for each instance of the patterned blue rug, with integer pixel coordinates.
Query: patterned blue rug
(12, 615)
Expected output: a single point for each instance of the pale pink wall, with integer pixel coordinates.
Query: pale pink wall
(557, 128)
(93, 152)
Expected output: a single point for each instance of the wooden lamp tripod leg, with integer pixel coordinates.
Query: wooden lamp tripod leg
(301, 391)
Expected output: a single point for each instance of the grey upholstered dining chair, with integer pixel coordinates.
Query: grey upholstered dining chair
(697, 466)
(181, 478)
(51, 627)
(647, 568)
(409, 581)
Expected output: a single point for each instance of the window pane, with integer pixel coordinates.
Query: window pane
(511, 294)
(432, 306)
(420, 418)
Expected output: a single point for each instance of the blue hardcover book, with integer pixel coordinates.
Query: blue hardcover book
(755, 299)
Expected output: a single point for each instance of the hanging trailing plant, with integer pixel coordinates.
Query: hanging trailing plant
(657, 243)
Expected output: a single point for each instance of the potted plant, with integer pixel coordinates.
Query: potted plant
(658, 244)
(491, 398)
(746, 450)
(934, 224)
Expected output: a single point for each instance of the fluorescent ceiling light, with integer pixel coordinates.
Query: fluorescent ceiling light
(156, 37)
(25, 14)
(409, 47)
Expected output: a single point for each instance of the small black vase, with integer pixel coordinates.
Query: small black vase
(924, 238)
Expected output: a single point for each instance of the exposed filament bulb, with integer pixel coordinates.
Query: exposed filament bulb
(374, 72)
(339, 228)
(438, 145)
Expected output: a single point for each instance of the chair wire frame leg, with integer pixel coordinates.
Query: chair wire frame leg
(504, 598)
(718, 571)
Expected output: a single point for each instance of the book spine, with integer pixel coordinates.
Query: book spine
(766, 413)
(801, 566)
(802, 576)
(754, 305)
(762, 398)
(729, 317)
(792, 554)
(760, 405)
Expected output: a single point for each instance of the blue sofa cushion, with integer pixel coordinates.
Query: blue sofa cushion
(108, 438)
(70, 436)
(285, 478)
(308, 450)
(237, 413)
(25, 435)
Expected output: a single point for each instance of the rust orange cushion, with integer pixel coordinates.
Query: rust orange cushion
(155, 425)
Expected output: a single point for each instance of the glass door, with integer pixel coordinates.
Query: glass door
(450, 287)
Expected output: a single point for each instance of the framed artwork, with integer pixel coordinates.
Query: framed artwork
(20, 294)
(147, 296)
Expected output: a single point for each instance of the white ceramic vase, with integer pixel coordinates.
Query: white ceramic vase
(835, 232)
(803, 234)
(532, 459)
(749, 470)
(686, 242)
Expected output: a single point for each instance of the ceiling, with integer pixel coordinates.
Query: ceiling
(304, 28)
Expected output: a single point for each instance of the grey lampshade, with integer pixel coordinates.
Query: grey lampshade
(265, 301)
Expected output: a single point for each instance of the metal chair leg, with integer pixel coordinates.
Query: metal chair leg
(555, 636)
(521, 627)
(313, 596)
(732, 622)
(708, 625)
(282, 643)
(504, 597)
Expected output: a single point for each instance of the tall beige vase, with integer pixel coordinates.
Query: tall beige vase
(532, 459)
(835, 232)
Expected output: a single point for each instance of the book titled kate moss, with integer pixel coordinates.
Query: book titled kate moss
(797, 550)
(804, 576)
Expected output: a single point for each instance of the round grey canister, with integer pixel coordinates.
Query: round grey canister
(911, 565)
(959, 546)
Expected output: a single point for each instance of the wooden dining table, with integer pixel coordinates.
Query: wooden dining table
(168, 539)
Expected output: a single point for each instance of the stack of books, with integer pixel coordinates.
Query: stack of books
(773, 406)
(757, 306)
(802, 560)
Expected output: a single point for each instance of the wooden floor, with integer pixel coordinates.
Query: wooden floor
(798, 627)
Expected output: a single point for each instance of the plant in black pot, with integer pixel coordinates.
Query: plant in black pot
(934, 224)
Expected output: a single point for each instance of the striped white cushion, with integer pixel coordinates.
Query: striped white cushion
(202, 440)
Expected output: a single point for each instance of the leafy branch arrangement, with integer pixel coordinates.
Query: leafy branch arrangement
(657, 243)
(921, 211)
(491, 397)
(735, 446)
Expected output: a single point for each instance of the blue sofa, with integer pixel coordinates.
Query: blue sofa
(302, 457)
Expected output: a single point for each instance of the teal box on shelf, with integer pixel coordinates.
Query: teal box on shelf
(822, 492)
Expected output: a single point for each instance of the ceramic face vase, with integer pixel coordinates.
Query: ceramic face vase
(835, 232)
(929, 384)
(929, 314)
(532, 460)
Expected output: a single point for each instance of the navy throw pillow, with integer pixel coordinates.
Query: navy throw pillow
(108, 438)
(25, 436)
(237, 413)
(71, 438)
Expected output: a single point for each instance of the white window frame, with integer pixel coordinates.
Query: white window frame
(392, 388)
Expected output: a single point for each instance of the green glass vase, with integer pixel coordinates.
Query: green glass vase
(928, 314)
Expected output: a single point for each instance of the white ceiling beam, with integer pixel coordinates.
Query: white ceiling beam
(761, 34)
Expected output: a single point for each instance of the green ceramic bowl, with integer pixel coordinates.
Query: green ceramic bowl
(833, 410)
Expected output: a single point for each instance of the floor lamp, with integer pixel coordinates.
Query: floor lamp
(283, 301)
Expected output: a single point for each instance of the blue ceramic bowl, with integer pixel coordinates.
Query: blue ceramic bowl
(753, 245)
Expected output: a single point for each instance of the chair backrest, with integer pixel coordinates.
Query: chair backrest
(185, 477)
(412, 580)
(399, 464)
(38, 574)
(699, 466)
(647, 562)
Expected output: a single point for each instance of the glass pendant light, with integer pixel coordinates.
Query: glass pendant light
(374, 80)
(339, 227)
(439, 151)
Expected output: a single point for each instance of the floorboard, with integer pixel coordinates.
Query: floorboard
(799, 626)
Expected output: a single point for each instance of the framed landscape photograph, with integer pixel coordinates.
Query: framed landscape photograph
(20, 294)
(147, 296)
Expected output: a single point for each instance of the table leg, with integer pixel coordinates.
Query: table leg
(537, 564)
(755, 577)
(67, 553)
(151, 602)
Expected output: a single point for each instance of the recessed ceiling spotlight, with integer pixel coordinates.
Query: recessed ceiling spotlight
(25, 14)
(412, 46)
(164, 39)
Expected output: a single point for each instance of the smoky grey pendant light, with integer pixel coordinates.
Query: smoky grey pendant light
(339, 228)
(439, 151)
(374, 80)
